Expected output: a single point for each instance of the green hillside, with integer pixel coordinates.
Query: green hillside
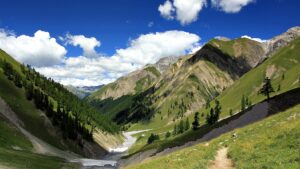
(287, 63)
(271, 143)
(182, 89)
(283, 68)
(48, 110)
(15, 151)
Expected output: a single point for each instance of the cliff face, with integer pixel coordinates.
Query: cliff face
(282, 40)
(181, 87)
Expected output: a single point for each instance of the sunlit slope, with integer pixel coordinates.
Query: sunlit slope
(195, 80)
(271, 143)
(282, 67)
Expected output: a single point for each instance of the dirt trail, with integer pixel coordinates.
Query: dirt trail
(258, 112)
(221, 160)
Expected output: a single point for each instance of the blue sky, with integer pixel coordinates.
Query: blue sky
(114, 24)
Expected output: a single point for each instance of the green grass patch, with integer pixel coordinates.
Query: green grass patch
(153, 70)
(271, 143)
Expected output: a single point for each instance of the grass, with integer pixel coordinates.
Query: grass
(27, 160)
(11, 137)
(153, 70)
(15, 151)
(26, 111)
(35, 121)
(286, 61)
(271, 143)
(143, 83)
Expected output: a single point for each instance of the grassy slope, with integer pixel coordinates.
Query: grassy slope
(26, 111)
(15, 151)
(287, 61)
(271, 143)
(112, 106)
(203, 78)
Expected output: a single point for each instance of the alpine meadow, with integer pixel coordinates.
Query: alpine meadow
(136, 84)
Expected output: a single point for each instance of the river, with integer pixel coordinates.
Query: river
(110, 161)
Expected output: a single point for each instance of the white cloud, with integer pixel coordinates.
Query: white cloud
(195, 49)
(37, 50)
(255, 39)
(187, 10)
(87, 44)
(230, 6)
(147, 48)
(151, 47)
(166, 10)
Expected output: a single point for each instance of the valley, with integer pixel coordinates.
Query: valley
(232, 103)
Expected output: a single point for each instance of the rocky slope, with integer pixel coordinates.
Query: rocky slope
(135, 82)
(189, 83)
(282, 40)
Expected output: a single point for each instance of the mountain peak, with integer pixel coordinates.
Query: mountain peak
(282, 40)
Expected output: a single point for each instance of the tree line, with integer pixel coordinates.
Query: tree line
(76, 118)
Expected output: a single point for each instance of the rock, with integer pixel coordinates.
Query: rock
(282, 40)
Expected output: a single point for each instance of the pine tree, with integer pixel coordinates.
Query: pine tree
(181, 127)
(187, 124)
(175, 130)
(266, 88)
(152, 138)
(196, 121)
(168, 134)
(243, 104)
(217, 111)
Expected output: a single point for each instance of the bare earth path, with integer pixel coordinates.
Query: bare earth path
(222, 161)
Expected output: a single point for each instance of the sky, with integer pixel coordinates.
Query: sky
(92, 42)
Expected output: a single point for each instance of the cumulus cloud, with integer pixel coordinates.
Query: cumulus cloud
(166, 10)
(147, 48)
(87, 44)
(255, 39)
(230, 6)
(83, 71)
(186, 10)
(37, 50)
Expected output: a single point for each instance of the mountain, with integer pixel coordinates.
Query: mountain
(183, 86)
(282, 68)
(282, 40)
(48, 112)
(82, 91)
(134, 82)
(223, 71)
(117, 96)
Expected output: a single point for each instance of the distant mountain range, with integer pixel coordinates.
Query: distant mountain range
(82, 91)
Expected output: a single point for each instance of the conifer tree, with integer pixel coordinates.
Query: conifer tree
(266, 88)
(196, 121)
(187, 124)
